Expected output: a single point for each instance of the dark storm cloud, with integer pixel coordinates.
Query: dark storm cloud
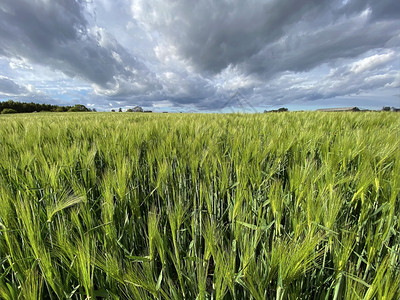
(381, 10)
(56, 34)
(304, 51)
(9, 88)
(215, 34)
(271, 36)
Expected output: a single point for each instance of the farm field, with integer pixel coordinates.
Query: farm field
(299, 205)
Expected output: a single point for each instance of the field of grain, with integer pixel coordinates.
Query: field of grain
(189, 206)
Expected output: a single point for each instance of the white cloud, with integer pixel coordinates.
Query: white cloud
(19, 64)
(372, 62)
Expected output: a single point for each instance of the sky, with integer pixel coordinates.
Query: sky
(201, 55)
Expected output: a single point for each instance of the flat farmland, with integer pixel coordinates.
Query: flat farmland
(298, 205)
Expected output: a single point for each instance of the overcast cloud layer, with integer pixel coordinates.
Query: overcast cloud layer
(188, 55)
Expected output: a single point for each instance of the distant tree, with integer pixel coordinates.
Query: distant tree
(8, 111)
(129, 110)
(137, 109)
(282, 109)
(78, 108)
(386, 108)
(120, 109)
(59, 109)
(113, 110)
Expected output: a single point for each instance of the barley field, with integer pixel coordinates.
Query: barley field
(299, 205)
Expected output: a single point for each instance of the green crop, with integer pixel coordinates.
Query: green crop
(200, 206)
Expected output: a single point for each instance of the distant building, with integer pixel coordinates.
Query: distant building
(340, 109)
(137, 109)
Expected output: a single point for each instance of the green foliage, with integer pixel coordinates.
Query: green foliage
(282, 109)
(190, 206)
(59, 109)
(8, 111)
(78, 108)
(23, 107)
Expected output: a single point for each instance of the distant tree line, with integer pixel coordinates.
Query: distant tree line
(135, 109)
(11, 106)
(282, 109)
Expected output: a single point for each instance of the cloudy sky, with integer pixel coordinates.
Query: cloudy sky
(201, 55)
